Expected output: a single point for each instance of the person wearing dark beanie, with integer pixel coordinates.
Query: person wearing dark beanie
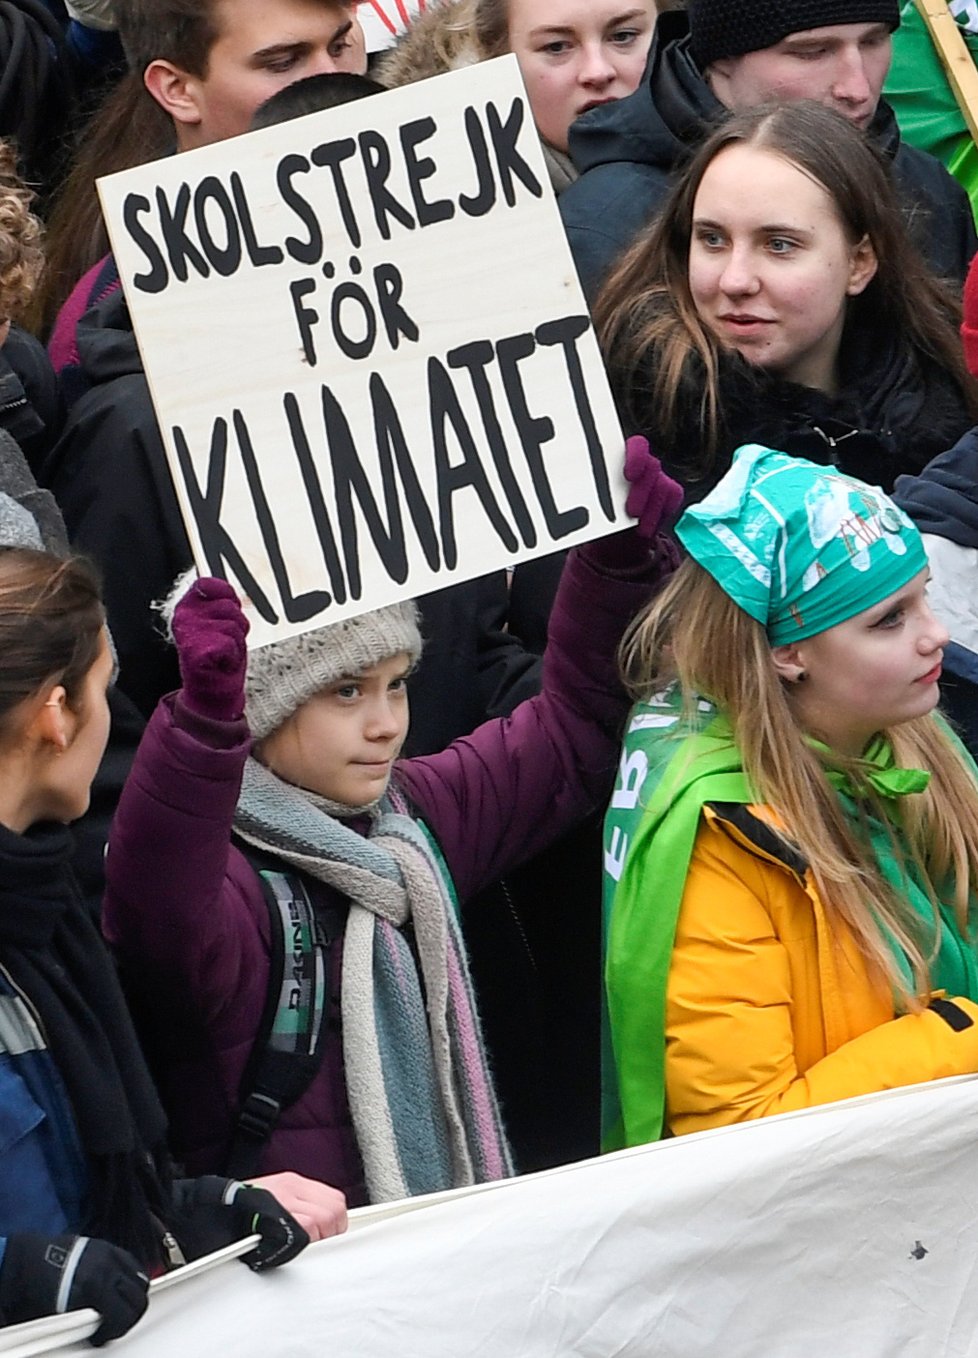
(719, 29)
(722, 55)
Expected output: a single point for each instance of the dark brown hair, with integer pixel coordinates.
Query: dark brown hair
(645, 317)
(491, 24)
(51, 621)
(128, 129)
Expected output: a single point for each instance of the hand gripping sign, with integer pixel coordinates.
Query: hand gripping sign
(371, 362)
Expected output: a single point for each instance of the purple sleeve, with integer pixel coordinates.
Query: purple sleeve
(504, 793)
(175, 887)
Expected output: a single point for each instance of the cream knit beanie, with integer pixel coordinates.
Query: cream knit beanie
(283, 675)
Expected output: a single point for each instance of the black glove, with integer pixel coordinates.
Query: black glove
(212, 1212)
(44, 1275)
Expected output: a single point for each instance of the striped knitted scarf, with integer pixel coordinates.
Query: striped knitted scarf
(422, 1099)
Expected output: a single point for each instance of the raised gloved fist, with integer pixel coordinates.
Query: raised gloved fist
(654, 498)
(216, 1211)
(46, 1275)
(210, 632)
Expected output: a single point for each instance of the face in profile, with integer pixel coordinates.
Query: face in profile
(870, 673)
(83, 728)
(263, 45)
(577, 54)
(771, 268)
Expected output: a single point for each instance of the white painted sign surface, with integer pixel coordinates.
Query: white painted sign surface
(370, 358)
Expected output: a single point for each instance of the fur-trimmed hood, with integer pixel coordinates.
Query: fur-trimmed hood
(439, 40)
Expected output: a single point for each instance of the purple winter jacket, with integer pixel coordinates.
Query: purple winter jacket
(184, 909)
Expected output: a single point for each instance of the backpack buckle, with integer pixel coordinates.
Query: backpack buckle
(258, 1116)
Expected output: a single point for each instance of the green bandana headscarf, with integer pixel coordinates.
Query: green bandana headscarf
(800, 547)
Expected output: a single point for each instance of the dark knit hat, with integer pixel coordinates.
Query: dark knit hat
(728, 28)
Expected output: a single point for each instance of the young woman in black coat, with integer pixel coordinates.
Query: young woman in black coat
(778, 300)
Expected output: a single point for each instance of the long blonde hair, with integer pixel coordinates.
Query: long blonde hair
(695, 634)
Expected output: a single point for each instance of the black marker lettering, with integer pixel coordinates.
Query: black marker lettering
(206, 509)
(257, 253)
(311, 250)
(534, 432)
(356, 298)
(158, 276)
(330, 155)
(297, 608)
(475, 358)
(421, 168)
(376, 157)
(390, 285)
(224, 259)
(390, 441)
(509, 162)
(445, 409)
(310, 479)
(179, 246)
(306, 316)
(485, 187)
(349, 478)
(566, 332)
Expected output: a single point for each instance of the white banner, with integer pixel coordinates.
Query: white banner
(372, 364)
(849, 1230)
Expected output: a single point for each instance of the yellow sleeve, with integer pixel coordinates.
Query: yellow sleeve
(738, 984)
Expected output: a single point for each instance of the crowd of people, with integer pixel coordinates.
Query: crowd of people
(267, 951)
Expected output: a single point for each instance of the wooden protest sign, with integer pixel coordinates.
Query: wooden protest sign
(955, 58)
(370, 358)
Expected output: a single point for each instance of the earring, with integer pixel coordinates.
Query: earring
(801, 676)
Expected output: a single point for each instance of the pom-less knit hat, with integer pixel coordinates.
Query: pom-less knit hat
(800, 547)
(728, 28)
(282, 676)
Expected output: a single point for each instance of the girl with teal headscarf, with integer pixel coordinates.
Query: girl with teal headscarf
(792, 845)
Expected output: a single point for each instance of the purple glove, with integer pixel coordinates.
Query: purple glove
(654, 499)
(209, 629)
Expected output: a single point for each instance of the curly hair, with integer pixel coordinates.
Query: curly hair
(21, 253)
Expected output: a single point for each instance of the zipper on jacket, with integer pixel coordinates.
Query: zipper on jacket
(28, 1004)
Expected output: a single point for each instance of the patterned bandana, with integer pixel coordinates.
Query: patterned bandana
(800, 547)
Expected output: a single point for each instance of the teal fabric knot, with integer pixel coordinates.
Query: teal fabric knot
(876, 768)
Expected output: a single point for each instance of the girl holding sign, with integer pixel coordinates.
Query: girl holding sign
(267, 814)
(778, 299)
(792, 848)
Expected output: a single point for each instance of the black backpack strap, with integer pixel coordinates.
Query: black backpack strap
(288, 1047)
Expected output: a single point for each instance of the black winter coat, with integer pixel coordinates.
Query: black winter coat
(628, 151)
(894, 412)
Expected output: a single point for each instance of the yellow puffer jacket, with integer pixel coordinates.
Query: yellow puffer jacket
(768, 1009)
